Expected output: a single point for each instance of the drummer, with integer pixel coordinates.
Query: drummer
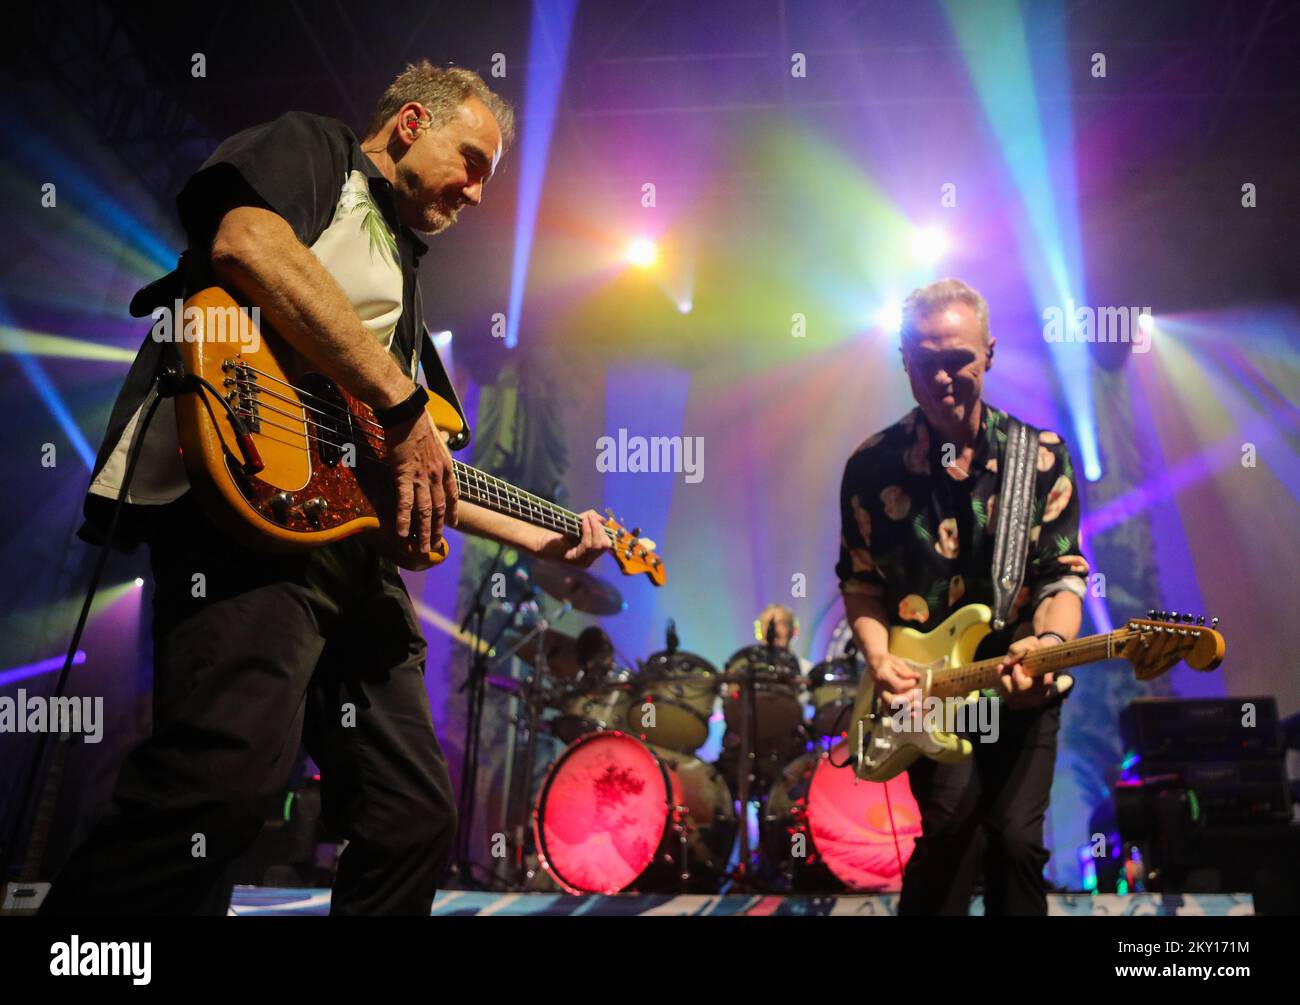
(595, 652)
(781, 623)
(785, 629)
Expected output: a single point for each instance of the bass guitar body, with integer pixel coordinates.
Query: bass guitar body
(318, 472)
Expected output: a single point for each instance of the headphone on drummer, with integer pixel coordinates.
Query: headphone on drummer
(770, 613)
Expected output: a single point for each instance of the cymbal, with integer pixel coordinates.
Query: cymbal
(585, 591)
(561, 653)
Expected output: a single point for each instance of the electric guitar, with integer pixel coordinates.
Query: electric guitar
(887, 740)
(286, 460)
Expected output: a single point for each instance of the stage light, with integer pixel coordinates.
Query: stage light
(642, 253)
(890, 317)
(929, 244)
(1147, 323)
(12, 675)
(441, 339)
(139, 581)
(550, 26)
(685, 306)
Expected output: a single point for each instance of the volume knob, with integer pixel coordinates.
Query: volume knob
(315, 508)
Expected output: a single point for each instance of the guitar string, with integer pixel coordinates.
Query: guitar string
(303, 392)
(490, 490)
(1089, 648)
(526, 503)
(521, 493)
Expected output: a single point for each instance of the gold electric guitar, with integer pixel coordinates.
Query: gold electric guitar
(888, 740)
(286, 460)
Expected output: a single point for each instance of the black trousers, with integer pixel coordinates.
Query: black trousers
(987, 809)
(254, 654)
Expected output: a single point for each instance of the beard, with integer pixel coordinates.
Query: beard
(437, 217)
(429, 214)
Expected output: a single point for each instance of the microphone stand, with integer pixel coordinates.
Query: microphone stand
(475, 683)
(521, 794)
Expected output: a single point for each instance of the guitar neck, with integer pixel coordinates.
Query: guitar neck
(961, 680)
(492, 493)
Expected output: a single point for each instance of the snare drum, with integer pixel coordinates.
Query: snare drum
(777, 680)
(680, 688)
(826, 832)
(615, 813)
(834, 686)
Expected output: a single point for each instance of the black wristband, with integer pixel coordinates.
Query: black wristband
(405, 410)
(1056, 635)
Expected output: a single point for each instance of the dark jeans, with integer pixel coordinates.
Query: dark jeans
(322, 648)
(986, 809)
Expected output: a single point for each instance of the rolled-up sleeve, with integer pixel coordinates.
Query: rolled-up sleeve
(295, 166)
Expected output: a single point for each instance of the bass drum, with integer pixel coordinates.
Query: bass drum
(827, 834)
(615, 813)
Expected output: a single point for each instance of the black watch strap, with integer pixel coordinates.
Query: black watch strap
(405, 410)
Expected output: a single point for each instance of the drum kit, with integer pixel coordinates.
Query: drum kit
(628, 805)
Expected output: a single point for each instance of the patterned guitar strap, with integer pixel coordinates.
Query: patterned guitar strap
(1015, 513)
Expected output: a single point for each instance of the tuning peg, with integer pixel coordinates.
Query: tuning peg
(636, 531)
(1200, 620)
(1188, 619)
(1151, 615)
(1214, 622)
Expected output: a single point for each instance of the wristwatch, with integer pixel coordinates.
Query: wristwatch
(404, 411)
(1060, 639)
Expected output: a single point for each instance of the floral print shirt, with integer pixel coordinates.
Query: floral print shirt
(921, 538)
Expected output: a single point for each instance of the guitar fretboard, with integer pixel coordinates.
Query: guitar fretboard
(500, 496)
(981, 674)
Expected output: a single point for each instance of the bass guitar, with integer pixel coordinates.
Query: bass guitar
(286, 460)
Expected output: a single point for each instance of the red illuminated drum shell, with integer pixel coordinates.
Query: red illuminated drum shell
(850, 825)
(602, 813)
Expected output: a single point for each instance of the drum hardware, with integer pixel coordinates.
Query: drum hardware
(585, 841)
(475, 683)
(538, 643)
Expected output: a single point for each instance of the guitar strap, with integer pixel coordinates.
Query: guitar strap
(1015, 513)
(435, 375)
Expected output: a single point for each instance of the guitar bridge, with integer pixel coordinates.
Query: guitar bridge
(241, 380)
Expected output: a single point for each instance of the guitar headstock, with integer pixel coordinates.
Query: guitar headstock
(635, 554)
(1157, 642)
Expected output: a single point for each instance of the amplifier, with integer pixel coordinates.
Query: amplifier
(1251, 790)
(1194, 728)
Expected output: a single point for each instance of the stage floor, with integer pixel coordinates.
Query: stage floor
(255, 900)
